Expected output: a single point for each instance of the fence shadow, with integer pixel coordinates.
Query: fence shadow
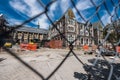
(80, 76)
(100, 71)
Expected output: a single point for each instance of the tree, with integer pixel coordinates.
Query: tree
(3, 29)
(114, 33)
(3, 23)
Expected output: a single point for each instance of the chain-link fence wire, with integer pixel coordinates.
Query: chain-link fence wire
(95, 71)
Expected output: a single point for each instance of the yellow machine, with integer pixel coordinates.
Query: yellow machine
(8, 44)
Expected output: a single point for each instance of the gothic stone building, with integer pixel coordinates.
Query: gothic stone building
(71, 28)
(25, 34)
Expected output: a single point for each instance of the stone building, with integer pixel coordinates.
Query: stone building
(98, 32)
(71, 29)
(25, 34)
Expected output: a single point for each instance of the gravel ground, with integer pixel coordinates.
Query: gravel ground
(44, 60)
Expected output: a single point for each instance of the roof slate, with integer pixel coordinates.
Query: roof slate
(32, 30)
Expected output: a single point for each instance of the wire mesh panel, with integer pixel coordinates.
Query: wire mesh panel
(101, 68)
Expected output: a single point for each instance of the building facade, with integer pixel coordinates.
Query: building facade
(71, 29)
(26, 34)
(98, 32)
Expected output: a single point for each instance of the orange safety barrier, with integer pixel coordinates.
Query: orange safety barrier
(32, 47)
(24, 46)
(55, 44)
(85, 47)
(29, 46)
(118, 49)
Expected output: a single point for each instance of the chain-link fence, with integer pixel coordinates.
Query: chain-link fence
(95, 71)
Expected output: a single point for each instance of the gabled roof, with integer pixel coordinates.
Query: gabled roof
(68, 14)
(32, 30)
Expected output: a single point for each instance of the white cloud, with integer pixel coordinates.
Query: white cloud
(98, 2)
(43, 21)
(29, 7)
(81, 6)
(13, 21)
(58, 8)
(64, 4)
(18, 6)
(84, 4)
(52, 8)
(35, 8)
(106, 18)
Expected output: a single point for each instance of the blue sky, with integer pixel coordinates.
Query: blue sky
(16, 11)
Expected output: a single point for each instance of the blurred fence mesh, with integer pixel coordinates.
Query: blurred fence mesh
(94, 72)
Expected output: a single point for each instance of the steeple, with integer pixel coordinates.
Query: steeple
(70, 14)
(38, 25)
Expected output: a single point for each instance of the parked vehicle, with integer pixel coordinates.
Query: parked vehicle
(108, 53)
(105, 52)
(8, 43)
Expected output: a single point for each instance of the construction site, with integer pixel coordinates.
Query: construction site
(45, 60)
(59, 40)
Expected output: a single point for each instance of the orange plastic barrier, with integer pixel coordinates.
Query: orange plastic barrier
(32, 47)
(24, 46)
(55, 44)
(85, 47)
(29, 46)
(118, 49)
